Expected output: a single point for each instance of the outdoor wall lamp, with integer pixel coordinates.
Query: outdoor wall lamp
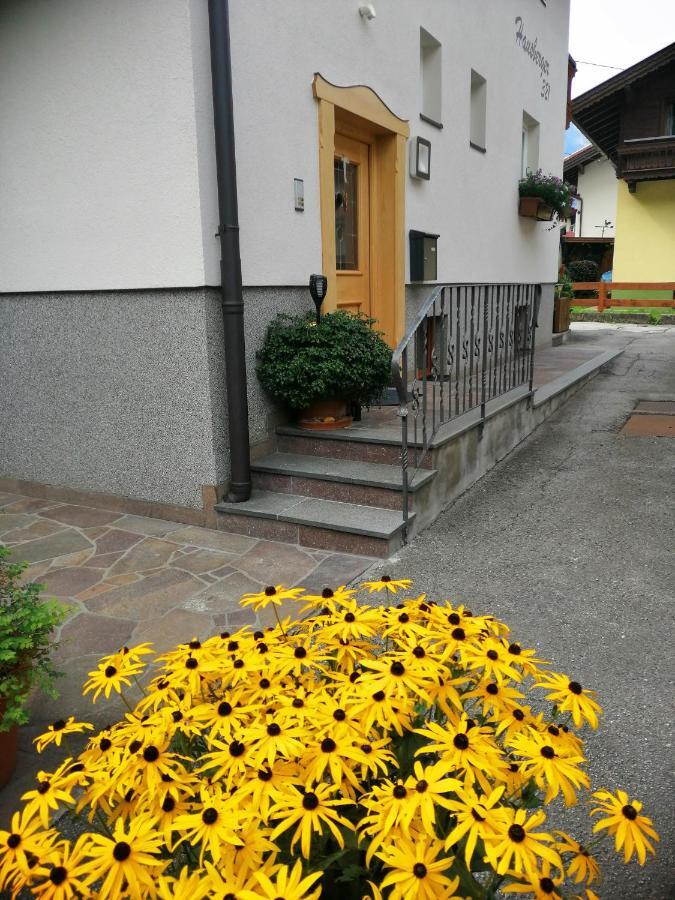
(367, 12)
(318, 286)
(420, 158)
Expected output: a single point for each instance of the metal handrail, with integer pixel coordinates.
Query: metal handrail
(477, 344)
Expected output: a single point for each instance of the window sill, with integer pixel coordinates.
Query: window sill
(431, 121)
(477, 147)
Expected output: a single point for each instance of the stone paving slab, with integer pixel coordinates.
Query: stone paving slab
(128, 579)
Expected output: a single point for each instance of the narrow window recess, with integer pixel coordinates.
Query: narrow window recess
(478, 112)
(529, 145)
(431, 74)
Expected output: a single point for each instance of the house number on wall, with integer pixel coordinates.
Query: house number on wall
(537, 57)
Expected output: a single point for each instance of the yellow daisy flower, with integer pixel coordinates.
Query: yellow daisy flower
(288, 883)
(310, 811)
(557, 773)
(515, 844)
(581, 866)
(274, 594)
(416, 871)
(473, 816)
(624, 820)
(387, 584)
(56, 731)
(570, 697)
(542, 883)
(63, 873)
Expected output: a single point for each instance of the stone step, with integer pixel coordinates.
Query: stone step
(352, 443)
(313, 522)
(346, 480)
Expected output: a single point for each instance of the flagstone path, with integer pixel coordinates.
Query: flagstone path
(128, 579)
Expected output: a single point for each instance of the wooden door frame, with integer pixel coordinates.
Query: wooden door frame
(354, 111)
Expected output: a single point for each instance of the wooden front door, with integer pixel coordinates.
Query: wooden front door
(352, 224)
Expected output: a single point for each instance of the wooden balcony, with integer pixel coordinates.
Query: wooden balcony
(646, 159)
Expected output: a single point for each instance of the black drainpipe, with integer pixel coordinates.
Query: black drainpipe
(230, 261)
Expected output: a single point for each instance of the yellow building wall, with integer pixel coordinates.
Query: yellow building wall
(644, 243)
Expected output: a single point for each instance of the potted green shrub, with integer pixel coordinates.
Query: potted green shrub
(564, 294)
(315, 370)
(543, 197)
(26, 625)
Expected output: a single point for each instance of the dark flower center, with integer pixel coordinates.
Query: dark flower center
(419, 652)
(547, 752)
(354, 676)
(258, 635)
(191, 663)
(546, 885)
(422, 786)
(262, 647)
(397, 668)
(518, 715)
(326, 593)
(264, 775)
(339, 715)
(514, 649)
(43, 787)
(553, 730)
(419, 870)
(493, 655)
(177, 715)
(224, 708)
(424, 607)
(454, 619)
(575, 687)
(385, 578)
(298, 703)
(379, 696)
(237, 748)
(629, 812)
(328, 745)
(264, 683)
(59, 725)
(350, 617)
(168, 804)
(238, 664)
(460, 741)
(121, 851)
(492, 689)
(110, 671)
(13, 841)
(58, 875)
(151, 754)
(458, 634)
(403, 618)
(135, 746)
(367, 748)
(477, 816)
(517, 833)
(129, 796)
(273, 730)
(400, 791)
(270, 591)
(299, 653)
(209, 816)
(224, 635)
(310, 801)
(233, 646)
(194, 645)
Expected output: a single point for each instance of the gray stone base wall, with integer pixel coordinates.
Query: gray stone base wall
(114, 392)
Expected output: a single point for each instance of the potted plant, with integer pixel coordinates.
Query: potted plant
(26, 625)
(316, 369)
(564, 294)
(543, 197)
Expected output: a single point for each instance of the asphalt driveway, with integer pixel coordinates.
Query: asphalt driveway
(570, 541)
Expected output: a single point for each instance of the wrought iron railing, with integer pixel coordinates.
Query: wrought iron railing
(469, 344)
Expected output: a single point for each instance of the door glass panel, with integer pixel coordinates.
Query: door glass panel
(346, 219)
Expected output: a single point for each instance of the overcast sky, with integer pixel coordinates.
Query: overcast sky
(614, 33)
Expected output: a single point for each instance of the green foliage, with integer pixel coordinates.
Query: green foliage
(341, 358)
(26, 626)
(583, 270)
(564, 287)
(552, 190)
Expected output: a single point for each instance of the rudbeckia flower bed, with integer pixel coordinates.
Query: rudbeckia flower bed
(402, 751)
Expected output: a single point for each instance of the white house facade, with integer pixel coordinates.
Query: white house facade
(596, 190)
(112, 357)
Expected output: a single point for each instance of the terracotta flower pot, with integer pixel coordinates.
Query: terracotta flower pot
(535, 208)
(325, 415)
(9, 743)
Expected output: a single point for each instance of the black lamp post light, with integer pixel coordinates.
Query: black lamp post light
(318, 287)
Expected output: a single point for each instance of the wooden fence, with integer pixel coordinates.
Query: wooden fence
(604, 289)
